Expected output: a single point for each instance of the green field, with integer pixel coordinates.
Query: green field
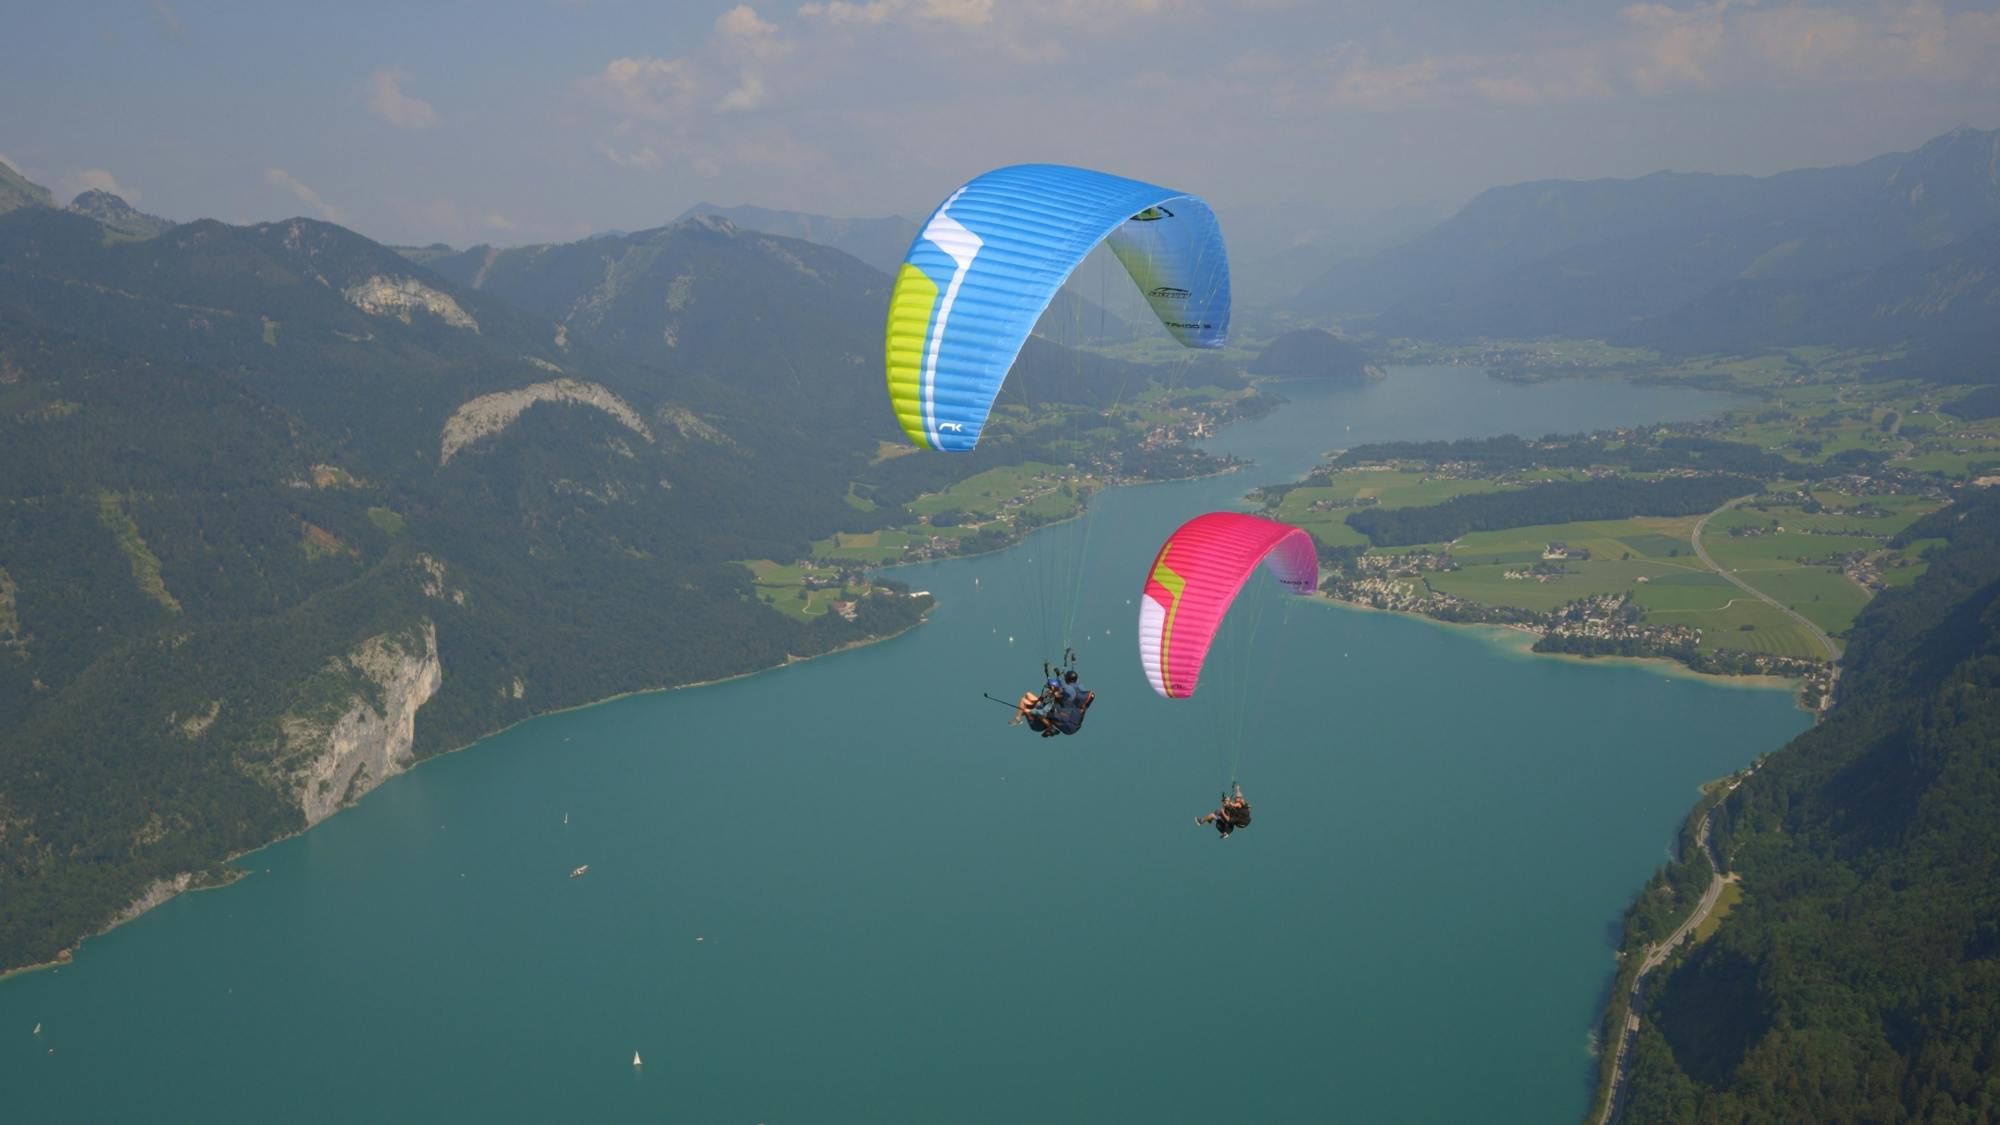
(1488, 585)
(1677, 589)
(884, 546)
(1770, 630)
(1675, 599)
(783, 588)
(1387, 489)
(984, 493)
(1812, 405)
(1663, 539)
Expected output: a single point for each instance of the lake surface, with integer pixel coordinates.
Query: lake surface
(848, 891)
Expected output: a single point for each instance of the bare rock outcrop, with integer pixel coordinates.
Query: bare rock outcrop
(488, 415)
(399, 296)
(158, 892)
(358, 731)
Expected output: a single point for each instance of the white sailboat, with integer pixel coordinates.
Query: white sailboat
(565, 818)
(635, 1059)
(38, 1029)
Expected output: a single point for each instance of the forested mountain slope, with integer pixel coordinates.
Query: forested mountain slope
(638, 293)
(880, 243)
(1604, 258)
(1946, 301)
(281, 511)
(1859, 978)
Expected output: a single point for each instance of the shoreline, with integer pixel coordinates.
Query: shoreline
(1519, 640)
(232, 874)
(1082, 511)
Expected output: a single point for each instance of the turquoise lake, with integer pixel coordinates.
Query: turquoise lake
(848, 891)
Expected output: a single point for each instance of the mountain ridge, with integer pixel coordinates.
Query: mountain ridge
(1599, 258)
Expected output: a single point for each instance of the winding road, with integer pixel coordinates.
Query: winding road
(1819, 634)
(1658, 953)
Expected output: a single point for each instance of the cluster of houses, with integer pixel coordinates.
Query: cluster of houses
(1331, 505)
(1387, 593)
(1174, 433)
(815, 580)
(1612, 619)
(1405, 566)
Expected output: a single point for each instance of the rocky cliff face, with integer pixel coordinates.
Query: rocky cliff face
(159, 892)
(399, 296)
(489, 414)
(357, 739)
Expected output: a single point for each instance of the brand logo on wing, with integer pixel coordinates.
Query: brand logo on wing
(951, 427)
(1167, 292)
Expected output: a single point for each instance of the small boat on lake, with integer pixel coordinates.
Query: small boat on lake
(635, 1059)
(578, 873)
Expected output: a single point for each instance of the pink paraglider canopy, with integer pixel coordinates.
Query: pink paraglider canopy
(1196, 576)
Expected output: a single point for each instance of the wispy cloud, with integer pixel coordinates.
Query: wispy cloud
(644, 88)
(698, 106)
(642, 157)
(1658, 49)
(278, 177)
(387, 101)
(874, 13)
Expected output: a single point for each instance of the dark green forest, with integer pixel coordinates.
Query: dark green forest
(1859, 978)
(1642, 450)
(1557, 502)
(223, 478)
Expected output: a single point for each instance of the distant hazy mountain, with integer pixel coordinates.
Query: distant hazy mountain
(879, 242)
(1597, 258)
(1311, 353)
(655, 294)
(1276, 251)
(1946, 301)
(425, 255)
(1072, 319)
(17, 191)
(112, 211)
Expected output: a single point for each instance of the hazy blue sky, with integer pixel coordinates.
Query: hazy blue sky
(530, 120)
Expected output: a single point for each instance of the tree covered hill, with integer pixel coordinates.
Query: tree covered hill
(1602, 258)
(17, 190)
(1311, 353)
(880, 243)
(115, 214)
(281, 510)
(1946, 301)
(1859, 977)
(637, 292)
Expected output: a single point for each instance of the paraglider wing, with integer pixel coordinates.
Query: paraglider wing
(1196, 576)
(992, 256)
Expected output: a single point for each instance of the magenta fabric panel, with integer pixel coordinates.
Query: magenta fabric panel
(1196, 576)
